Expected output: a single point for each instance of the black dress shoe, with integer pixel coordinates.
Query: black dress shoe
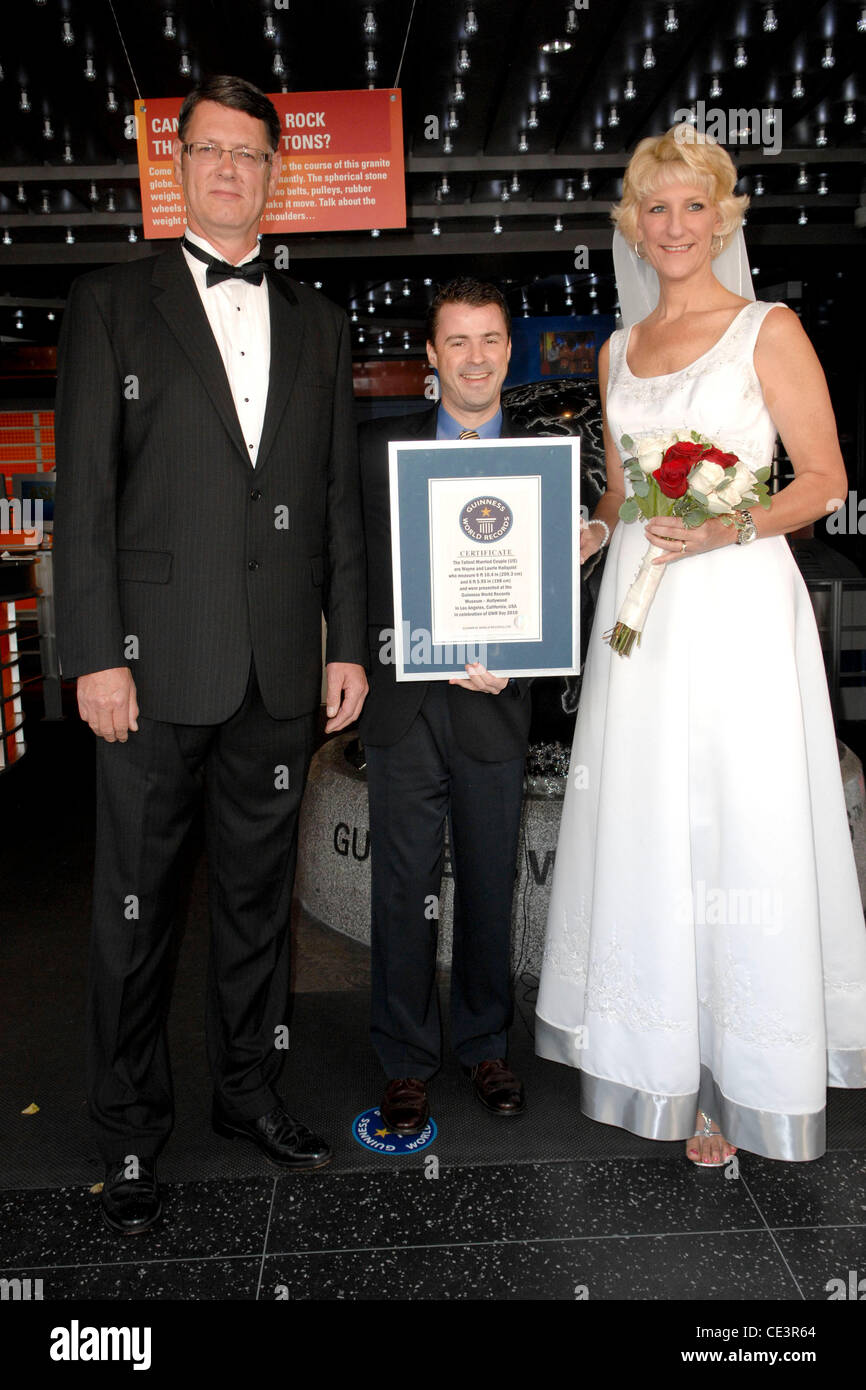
(497, 1088)
(282, 1139)
(404, 1106)
(131, 1205)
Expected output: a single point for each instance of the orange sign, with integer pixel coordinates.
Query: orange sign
(341, 169)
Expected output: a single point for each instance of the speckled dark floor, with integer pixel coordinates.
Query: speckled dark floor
(549, 1207)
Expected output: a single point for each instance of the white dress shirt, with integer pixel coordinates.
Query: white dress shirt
(239, 316)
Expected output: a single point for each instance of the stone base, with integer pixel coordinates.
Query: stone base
(333, 879)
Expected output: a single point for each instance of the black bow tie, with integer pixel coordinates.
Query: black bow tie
(217, 271)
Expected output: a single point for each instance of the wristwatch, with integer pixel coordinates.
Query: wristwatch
(747, 531)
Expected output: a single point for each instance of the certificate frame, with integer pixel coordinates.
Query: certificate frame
(416, 467)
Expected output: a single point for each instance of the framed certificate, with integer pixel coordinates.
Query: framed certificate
(485, 552)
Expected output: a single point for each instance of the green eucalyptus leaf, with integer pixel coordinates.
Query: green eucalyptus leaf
(627, 442)
(629, 511)
(694, 518)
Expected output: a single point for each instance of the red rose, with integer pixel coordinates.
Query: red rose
(672, 478)
(715, 455)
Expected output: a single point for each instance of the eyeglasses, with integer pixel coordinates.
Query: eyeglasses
(200, 152)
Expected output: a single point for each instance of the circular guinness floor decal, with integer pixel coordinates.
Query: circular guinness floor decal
(486, 519)
(371, 1132)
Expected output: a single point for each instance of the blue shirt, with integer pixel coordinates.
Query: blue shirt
(448, 428)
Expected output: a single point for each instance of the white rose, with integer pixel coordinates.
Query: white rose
(731, 496)
(650, 451)
(706, 477)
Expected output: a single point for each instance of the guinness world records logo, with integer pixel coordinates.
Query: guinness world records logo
(486, 519)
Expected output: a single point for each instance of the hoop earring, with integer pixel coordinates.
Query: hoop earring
(721, 244)
(637, 251)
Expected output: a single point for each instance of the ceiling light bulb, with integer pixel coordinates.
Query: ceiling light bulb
(458, 93)
(861, 22)
(798, 91)
(850, 116)
(828, 61)
(740, 58)
(184, 66)
(93, 195)
(803, 218)
(110, 205)
(515, 184)
(45, 204)
(544, 90)
(821, 137)
(388, 299)
(464, 62)
(557, 226)
(47, 129)
(21, 195)
(613, 117)
(70, 236)
(822, 186)
(444, 186)
(497, 227)
(532, 119)
(771, 23)
(370, 65)
(585, 182)
(453, 121)
(7, 237)
(406, 290)
(470, 23)
(672, 24)
(270, 29)
(67, 154)
(369, 23)
(571, 21)
(111, 101)
(278, 67)
(446, 144)
(598, 142)
(169, 31)
(569, 192)
(649, 58)
(802, 177)
(715, 86)
(436, 229)
(89, 70)
(374, 232)
(66, 33)
(759, 185)
(132, 235)
(523, 143)
(24, 100)
(504, 195)
(630, 90)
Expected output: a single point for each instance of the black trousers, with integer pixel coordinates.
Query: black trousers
(414, 785)
(251, 771)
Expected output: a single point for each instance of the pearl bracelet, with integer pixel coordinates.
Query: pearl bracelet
(597, 521)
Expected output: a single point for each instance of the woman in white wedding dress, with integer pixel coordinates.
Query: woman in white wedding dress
(705, 961)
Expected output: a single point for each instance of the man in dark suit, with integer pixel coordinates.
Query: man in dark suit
(439, 749)
(208, 513)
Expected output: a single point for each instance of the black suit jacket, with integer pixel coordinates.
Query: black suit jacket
(488, 727)
(173, 554)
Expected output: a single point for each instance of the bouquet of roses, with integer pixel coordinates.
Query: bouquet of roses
(685, 475)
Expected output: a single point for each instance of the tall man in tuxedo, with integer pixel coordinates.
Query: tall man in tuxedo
(208, 512)
(438, 750)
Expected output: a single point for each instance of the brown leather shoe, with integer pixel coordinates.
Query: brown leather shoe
(496, 1086)
(404, 1106)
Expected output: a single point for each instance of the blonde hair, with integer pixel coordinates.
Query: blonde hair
(682, 155)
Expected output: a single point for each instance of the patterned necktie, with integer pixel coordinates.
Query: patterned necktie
(469, 434)
(217, 271)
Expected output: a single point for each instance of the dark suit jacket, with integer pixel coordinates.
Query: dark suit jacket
(166, 534)
(488, 727)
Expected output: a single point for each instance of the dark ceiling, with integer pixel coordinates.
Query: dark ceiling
(66, 161)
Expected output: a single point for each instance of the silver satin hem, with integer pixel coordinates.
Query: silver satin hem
(793, 1138)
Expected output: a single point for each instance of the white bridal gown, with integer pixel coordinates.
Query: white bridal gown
(705, 943)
